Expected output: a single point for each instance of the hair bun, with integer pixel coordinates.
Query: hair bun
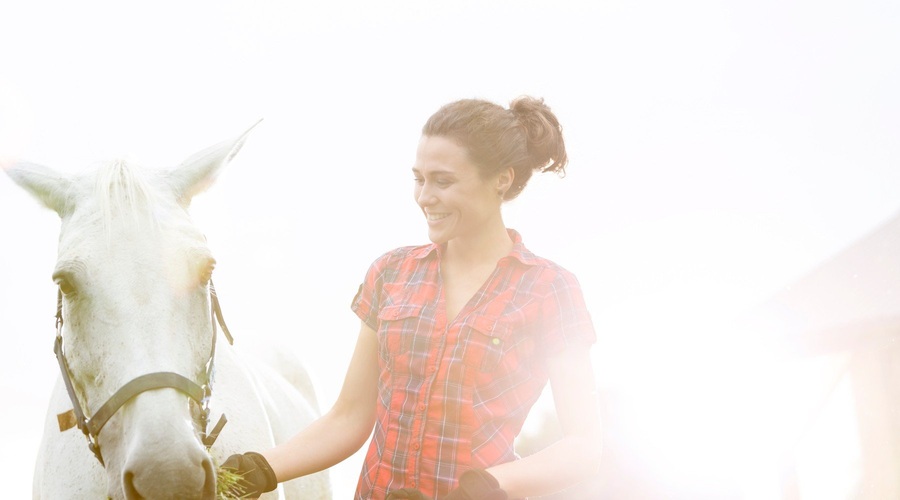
(543, 132)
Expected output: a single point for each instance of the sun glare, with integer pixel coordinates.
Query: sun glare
(16, 123)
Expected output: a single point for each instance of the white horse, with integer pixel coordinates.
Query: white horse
(136, 299)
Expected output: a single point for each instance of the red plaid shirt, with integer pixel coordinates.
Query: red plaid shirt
(454, 394)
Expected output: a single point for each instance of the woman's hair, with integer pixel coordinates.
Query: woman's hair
(526, 137)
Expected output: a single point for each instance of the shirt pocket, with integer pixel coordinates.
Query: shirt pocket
(486, 340)
(397, 326)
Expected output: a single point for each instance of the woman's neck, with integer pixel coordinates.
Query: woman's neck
(487, 247)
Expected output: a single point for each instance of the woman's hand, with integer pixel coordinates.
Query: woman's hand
(475, 484)
(406, 494)
(257, 476)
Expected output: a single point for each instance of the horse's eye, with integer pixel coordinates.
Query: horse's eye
(65, 284)
(207, 270)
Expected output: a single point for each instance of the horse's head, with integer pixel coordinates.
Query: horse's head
(134, 272)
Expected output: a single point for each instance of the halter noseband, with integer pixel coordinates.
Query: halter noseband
(91, 426)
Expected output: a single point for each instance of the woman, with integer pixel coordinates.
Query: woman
(459, 337)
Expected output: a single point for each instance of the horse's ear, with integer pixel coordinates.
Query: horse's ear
(47, 185)
(199, 171)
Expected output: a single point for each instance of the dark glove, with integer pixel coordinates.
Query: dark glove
(257, 476)
(477, 484)
(406, 494)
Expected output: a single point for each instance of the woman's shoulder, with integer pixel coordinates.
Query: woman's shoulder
(539, 264)
(398, 255)
(552, 273)
(547, 275)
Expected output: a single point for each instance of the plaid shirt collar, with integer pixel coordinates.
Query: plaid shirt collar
(519, 252)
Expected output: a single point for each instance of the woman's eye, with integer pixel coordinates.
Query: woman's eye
(441, 183)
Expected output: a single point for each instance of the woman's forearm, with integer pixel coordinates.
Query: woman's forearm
(344, 429)
(327, 441)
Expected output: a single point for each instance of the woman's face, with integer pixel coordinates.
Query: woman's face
(456, 200)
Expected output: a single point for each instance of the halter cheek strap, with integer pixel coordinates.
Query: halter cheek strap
(91, 426)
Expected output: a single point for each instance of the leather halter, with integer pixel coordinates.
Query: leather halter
(91, 426)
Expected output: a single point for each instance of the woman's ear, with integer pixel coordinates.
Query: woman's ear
(505, 181)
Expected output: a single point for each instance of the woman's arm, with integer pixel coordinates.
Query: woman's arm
(576, 456)
(341, 431)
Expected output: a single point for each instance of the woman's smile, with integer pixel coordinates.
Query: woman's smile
(436, 217)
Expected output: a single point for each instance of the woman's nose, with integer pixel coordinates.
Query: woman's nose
(424, 195)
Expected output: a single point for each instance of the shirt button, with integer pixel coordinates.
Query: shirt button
(412, 484)
(421, 407)
(415, 446)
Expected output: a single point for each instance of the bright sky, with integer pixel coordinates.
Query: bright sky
(718, 149)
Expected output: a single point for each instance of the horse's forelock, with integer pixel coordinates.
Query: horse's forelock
(125, 188)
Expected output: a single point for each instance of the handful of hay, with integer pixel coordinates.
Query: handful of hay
(229, 485)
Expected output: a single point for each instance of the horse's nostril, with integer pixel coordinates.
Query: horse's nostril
(170, 485)
(209, 487)
(128, 485)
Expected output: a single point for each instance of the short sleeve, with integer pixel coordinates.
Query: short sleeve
(565, 318)
(367, 300)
